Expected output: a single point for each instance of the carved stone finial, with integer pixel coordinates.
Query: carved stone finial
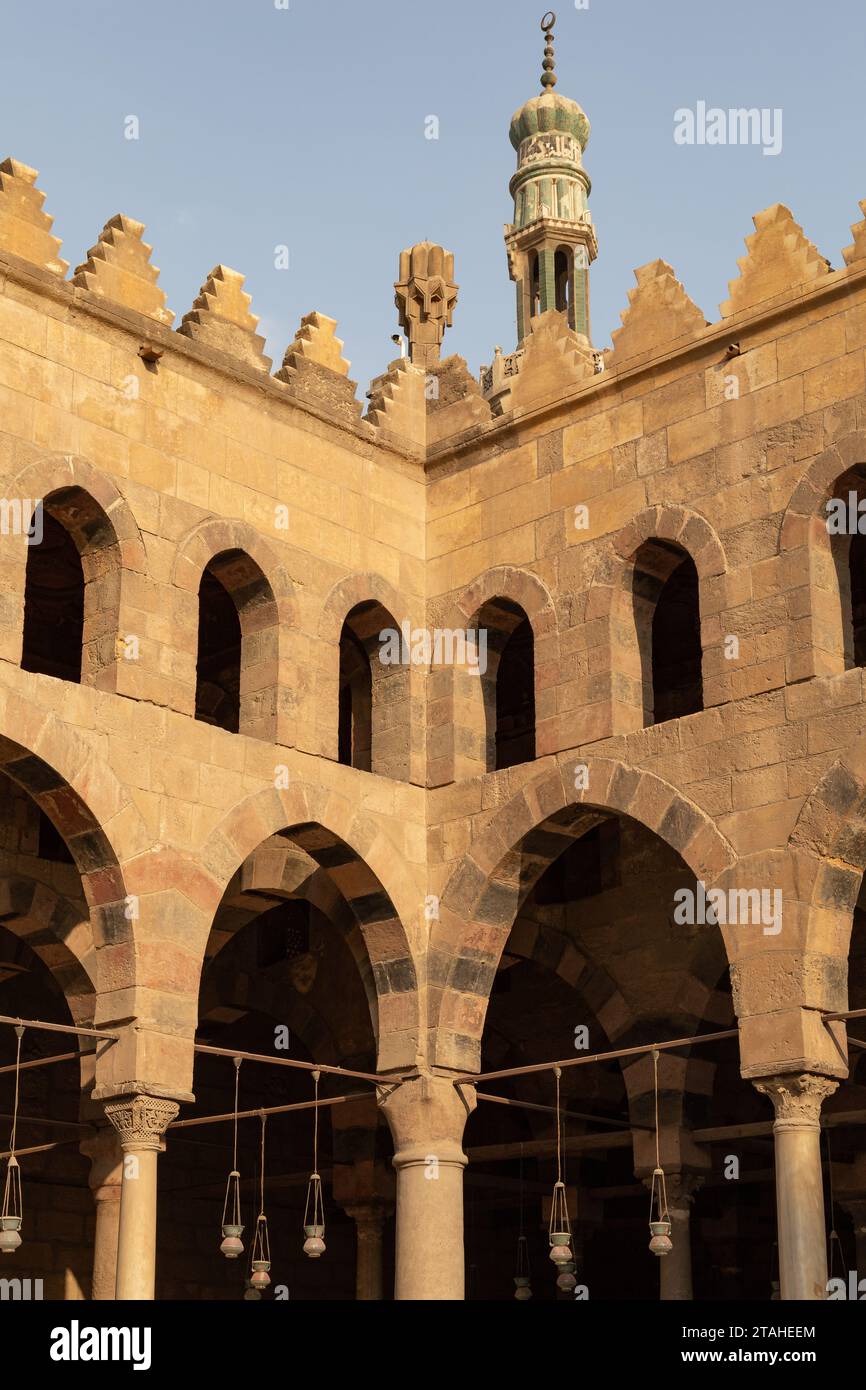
(548, 76)
(425, 295)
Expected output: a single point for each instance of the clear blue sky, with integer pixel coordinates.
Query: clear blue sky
(261, 126)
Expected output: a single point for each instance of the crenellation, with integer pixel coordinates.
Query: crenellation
(118, 268)
(220, 317)
(659, 313)
(857, 251)
(25, 230)
(779, 259)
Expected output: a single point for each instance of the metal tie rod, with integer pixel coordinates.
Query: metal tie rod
(597, 1057)
(60, 1028)
(378, 1079)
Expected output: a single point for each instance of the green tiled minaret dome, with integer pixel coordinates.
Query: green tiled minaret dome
(547, 113)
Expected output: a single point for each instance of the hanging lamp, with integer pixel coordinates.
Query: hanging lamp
(261, 1257)
(522, 1289)
(659, 1220)
(11, 1209)
(559, 1230)
(314, 1210)
(232, 1227)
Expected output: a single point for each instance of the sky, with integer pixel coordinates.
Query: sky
(303, 123)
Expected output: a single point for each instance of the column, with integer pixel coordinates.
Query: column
(140, 1122)
(106, 1164)
(797, 1100)
(369, 1219)
(547, 279)
(427, 1117)
(675, 1269)
(856, 1209)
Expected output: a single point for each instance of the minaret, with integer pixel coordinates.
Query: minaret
(552, 241)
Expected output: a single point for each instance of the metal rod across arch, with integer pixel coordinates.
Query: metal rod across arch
(596, 1057)
(378, 1078)
(60, 1028)
(268, 1110)
(49, 1061)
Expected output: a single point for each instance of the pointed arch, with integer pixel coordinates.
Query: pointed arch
(487, 888)
(366, 869)
(502, 603)
(819, 563)
(365, 700)
(225, 568)
(73, 521)
(630, 577)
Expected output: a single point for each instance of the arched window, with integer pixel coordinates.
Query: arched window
(842, 517)
(507, 650)
(667, 613)
(237, 659)
(374, 730)
(356, 702)
(218, 664)
(562, 263)
(857, 586)
(71, 590)
(54, 604)
(534, 285)
(515, 698)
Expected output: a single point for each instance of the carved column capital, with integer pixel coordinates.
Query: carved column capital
(797, 1098)
(681, 1189)
(427, 1116)
(369, 1217)
(141, 1121)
